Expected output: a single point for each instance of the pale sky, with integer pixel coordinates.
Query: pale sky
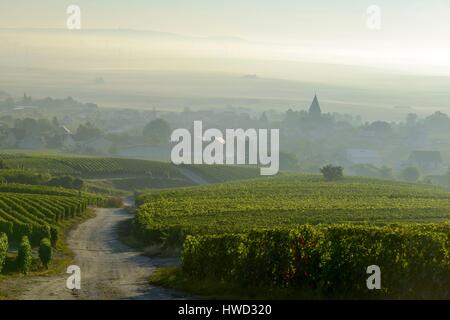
(414, 34)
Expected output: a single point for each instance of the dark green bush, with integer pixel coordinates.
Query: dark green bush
(45, 252)
(24, 256)
(22, 176)
(66, 181)
(54, 235)
(6, 227)
(3, 249)
(332, 173)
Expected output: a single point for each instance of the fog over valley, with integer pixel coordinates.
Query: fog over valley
(145, 69)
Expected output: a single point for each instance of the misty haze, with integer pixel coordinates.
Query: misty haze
(92, 93)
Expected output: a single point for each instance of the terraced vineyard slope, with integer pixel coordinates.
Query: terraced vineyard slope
(35, 211)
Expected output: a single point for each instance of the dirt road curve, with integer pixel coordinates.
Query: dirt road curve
(109, 269)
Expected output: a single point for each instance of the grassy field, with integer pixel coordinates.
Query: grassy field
(286, 201)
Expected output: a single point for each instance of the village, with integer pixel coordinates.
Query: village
(309, 137)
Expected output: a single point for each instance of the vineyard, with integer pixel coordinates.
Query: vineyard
(36, 211)
(299, 233)
(328, 261)
(90, 166)
(45, 190)
(27, 169)
(284, 201)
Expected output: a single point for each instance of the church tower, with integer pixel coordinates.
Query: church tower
(314, 109)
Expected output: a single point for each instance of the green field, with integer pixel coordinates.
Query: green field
(286, 201)
(260, 232)
(147, 173)
(89, 166)
(301, 236)
(29, 207)
(36, 211)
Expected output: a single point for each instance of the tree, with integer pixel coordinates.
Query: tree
(447, 177)
(24, 256)
(45, 252)
(438, 118)
(380, 127)
(288, 161)
(437, 121)
(54, 235)
(263, 120)
(157, 131)
(67, 181)
(332, 173)
(55, 122)
(411, 119)
(44, 126)
(3, 249)
(365, 170)
(62, 181)
(25, 127)
(386, 172)
(87, 131)
(77, 183)
(411, 174)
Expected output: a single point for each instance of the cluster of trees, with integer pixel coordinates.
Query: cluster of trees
(48, 103)
(333, 173)
(66, 181)
(24, 258)
(87, 131)
(410, 174)
(157, 132)
(309, 140)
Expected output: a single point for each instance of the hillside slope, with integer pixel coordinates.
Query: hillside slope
(286, 201)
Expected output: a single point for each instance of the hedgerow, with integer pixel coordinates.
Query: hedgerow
(24, 256)
(45, 252)
(414, 260)
(3, 249)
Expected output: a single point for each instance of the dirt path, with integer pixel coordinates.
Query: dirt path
(109, 269)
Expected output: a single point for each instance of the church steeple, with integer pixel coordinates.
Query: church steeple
(314, 109)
